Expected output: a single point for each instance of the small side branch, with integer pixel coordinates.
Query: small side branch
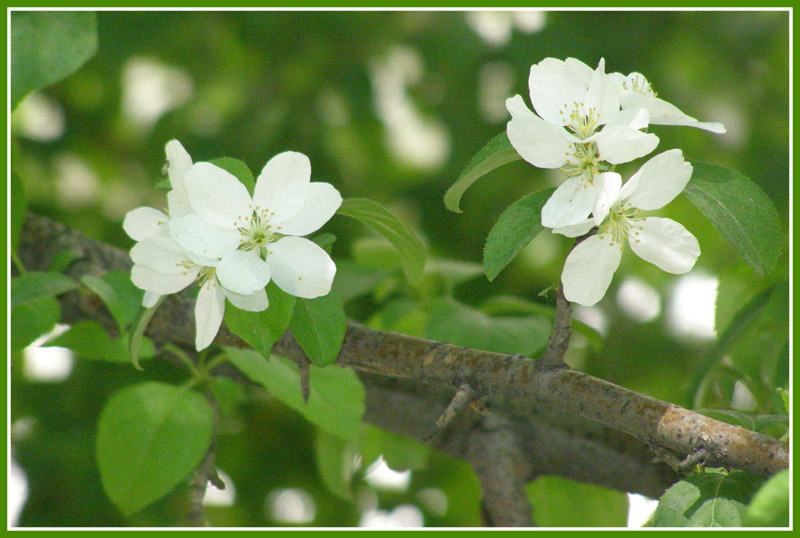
(559, 339)
(462, 397)
(206, 472)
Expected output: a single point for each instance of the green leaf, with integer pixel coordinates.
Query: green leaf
(63, 260)
(740, 210)
(19, 208)
(89, 340)
(31, 320)
(335, 463)
(399, 452)
(559, 502)
(122, 298)
(325, 240)
(238, 169)
(227, 393)
(135, 347)
(35, 285)
(150, 437)
(389, 226)
(319, 325)
(497, 152)
(710, 499)
(785, 397)
(517, 226)
(46, 46)
(510, 304)
(770, 505)
(336, 395)
(262, 329)
(459, 324)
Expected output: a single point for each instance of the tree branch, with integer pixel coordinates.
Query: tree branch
(429, 373)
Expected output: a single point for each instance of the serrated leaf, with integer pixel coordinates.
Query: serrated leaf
(517, 226)
(119, 294)
(559, 502)
(19, 208)
(89, 340)
(336, 396)
(740, 210)
(150, 437)
(710, 499)
(389, 226)
(770, 505)
(262, 329)
(319, 325)
(335, 463)
(46, 46)
(497, 152)
(239, 169)
(35, 285)
(31, 320)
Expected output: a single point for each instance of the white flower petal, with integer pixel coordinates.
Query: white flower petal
(589, 269)
(282, 186)
(300, 267)
(154, 281)
(160, 253)
(144, 223)
(570, 204)
(178, 163)
(252, 303)
(664, 113)
(208, 312)
(580, 70)
(609, 184)
(217, 195)
(321, 204)
(207, 240)
(620, 144)
(150, 299)
(178, 203)
(664, 243)
(575, 230)
(660, 180)
(540, 143)
(243, 272)
(635, 118)
(553, 84)
(602, 96)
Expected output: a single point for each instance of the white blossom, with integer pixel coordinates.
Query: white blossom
(590, 266)
(579, 126)
(240, 230)
(162, 267)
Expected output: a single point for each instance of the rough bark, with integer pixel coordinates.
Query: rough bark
(563, 422)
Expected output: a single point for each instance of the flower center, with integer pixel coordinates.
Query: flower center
(580, 120)
(584, 161)
(206, 274)
(620, 223)
(256, 229)
(639, 84)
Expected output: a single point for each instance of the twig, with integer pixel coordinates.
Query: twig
(195, 516)
(462, 397)
(558, 342)
(303, 368)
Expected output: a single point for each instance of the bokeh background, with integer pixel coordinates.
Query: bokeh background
(390, 106)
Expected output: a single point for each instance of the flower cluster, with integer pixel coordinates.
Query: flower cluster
(586, 121)
(232, 243)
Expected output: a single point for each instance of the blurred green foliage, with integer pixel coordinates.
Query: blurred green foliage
(389, 106)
